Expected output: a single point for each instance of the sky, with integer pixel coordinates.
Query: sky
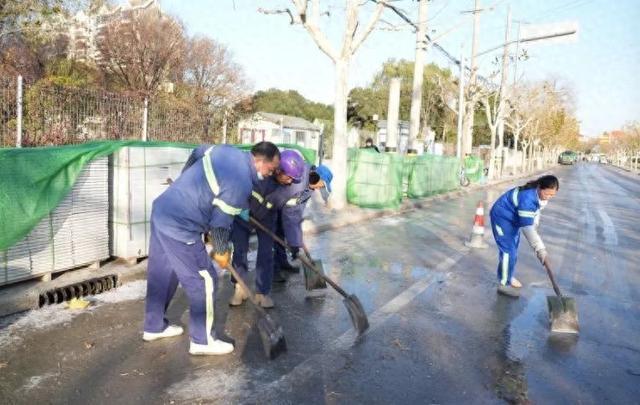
(600, 65)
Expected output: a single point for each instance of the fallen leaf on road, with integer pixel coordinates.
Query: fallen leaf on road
(89, 345)
(78, 303)
(3, 365)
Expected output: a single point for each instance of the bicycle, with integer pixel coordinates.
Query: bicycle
(462, 176)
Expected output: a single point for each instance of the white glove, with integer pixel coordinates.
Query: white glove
(531, 233)
(542, 255)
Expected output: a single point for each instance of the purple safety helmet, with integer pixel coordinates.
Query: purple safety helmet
(292, 164)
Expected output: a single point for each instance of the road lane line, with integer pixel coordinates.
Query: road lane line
(328, 358)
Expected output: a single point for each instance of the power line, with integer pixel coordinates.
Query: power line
(437, 46)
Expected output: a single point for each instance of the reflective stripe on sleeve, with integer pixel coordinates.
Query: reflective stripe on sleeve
(226, 208)
(527, 214)
(215, 187)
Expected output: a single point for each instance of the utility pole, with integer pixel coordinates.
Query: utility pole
(460, 105)
(468, 119)
(224, 125)
(418, 75)
(503, 89)
(145, 118)
(515, 61)
(392, 115)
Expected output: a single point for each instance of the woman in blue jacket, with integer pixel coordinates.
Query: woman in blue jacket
(519, 208)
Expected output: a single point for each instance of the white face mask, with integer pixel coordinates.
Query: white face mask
(543, 203)
(260, 176)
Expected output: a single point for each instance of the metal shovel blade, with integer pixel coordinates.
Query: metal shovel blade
(272, 337)
(357, 314)
(563, 315)
(312, 280)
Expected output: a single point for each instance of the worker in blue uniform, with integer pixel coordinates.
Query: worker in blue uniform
(290, 206)
(265, 202)
(214, 188)
(519, 208)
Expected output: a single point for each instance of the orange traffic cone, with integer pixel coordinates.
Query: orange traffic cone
(477, 234)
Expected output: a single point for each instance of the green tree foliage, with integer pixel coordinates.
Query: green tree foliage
(438, 86)
(365, 102)
(72, 73)
(290, 102)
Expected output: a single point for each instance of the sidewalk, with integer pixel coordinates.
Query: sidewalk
(318, 218)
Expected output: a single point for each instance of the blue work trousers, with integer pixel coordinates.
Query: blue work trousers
(240, 234)
(172, 262)
(507, 238)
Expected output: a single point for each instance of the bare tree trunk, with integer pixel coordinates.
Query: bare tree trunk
(492, 154)
(467, 133)
(418, 75)
(516, 135)
(339, 157)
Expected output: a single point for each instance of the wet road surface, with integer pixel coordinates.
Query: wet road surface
(439, 332)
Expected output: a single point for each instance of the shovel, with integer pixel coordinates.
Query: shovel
(562, 310)
(313, 280)
(354, 307)
(273, 341)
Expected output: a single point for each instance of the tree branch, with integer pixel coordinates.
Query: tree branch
(311, 25)
(285, 11)
(369, 27)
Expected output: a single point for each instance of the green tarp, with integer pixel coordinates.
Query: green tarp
(375, 179)
(33, 181)
(380, 180)
(431, 174)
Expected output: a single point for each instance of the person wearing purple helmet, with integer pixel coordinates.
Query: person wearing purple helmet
(288, 175)
(292, 167)
(290, 204)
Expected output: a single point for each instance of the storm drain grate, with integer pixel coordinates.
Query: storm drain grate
(77, 290)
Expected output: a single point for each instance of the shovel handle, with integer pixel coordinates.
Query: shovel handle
(305, 260)
(553, 280)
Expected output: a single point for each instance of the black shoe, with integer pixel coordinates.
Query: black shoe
(289, 268)
(279, 278)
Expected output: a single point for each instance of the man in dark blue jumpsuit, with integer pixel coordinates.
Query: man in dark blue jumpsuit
(264, 209)
(214, 188)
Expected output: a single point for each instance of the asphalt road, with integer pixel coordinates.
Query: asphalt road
(439, 332)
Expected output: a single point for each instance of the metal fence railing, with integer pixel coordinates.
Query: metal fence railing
(58, 115)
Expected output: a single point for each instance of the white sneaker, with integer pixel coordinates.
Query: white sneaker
(216, 347)
(264, 300)
(239, 296)
(171, 331)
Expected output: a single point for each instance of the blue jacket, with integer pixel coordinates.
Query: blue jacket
(215, 185)
(518, 207)
(290, 202)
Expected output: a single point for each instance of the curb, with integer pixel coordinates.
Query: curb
(25, 296)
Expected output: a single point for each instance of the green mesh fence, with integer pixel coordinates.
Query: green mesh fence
(474, 168)
(431, 174)
(375, 179)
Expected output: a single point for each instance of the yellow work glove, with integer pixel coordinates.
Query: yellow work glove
(222, 259)
(222, 248)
